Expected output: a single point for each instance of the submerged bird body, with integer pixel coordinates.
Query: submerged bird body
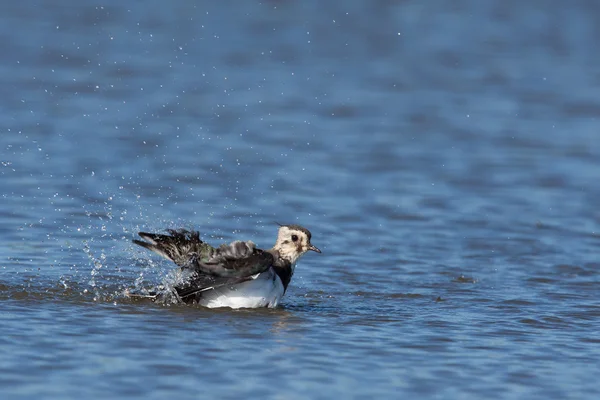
(235, 275)
(266, 290)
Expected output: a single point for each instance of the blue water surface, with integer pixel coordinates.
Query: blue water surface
(444, 155)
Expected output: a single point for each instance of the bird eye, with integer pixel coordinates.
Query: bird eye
(294, 238)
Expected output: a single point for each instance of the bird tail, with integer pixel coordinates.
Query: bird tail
(178, 246)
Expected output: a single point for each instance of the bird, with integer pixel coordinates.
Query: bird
(235, 275)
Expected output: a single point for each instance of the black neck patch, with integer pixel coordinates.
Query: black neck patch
(283, 269)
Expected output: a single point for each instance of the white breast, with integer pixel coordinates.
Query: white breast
(266, 290)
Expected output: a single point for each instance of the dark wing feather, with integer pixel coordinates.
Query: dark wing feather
(180, 246)
(186, 249)
(228, 264)
(235, 260)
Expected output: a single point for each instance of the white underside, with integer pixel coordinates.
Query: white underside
(266, 290)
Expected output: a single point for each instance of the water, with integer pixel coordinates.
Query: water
(445, 156)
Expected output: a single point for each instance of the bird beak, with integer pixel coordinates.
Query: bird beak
(313, 248)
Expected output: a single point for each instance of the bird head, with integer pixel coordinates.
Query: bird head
(292, 242)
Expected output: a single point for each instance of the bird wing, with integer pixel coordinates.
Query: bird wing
(235, 260)
(179, 246)
(228, 264)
